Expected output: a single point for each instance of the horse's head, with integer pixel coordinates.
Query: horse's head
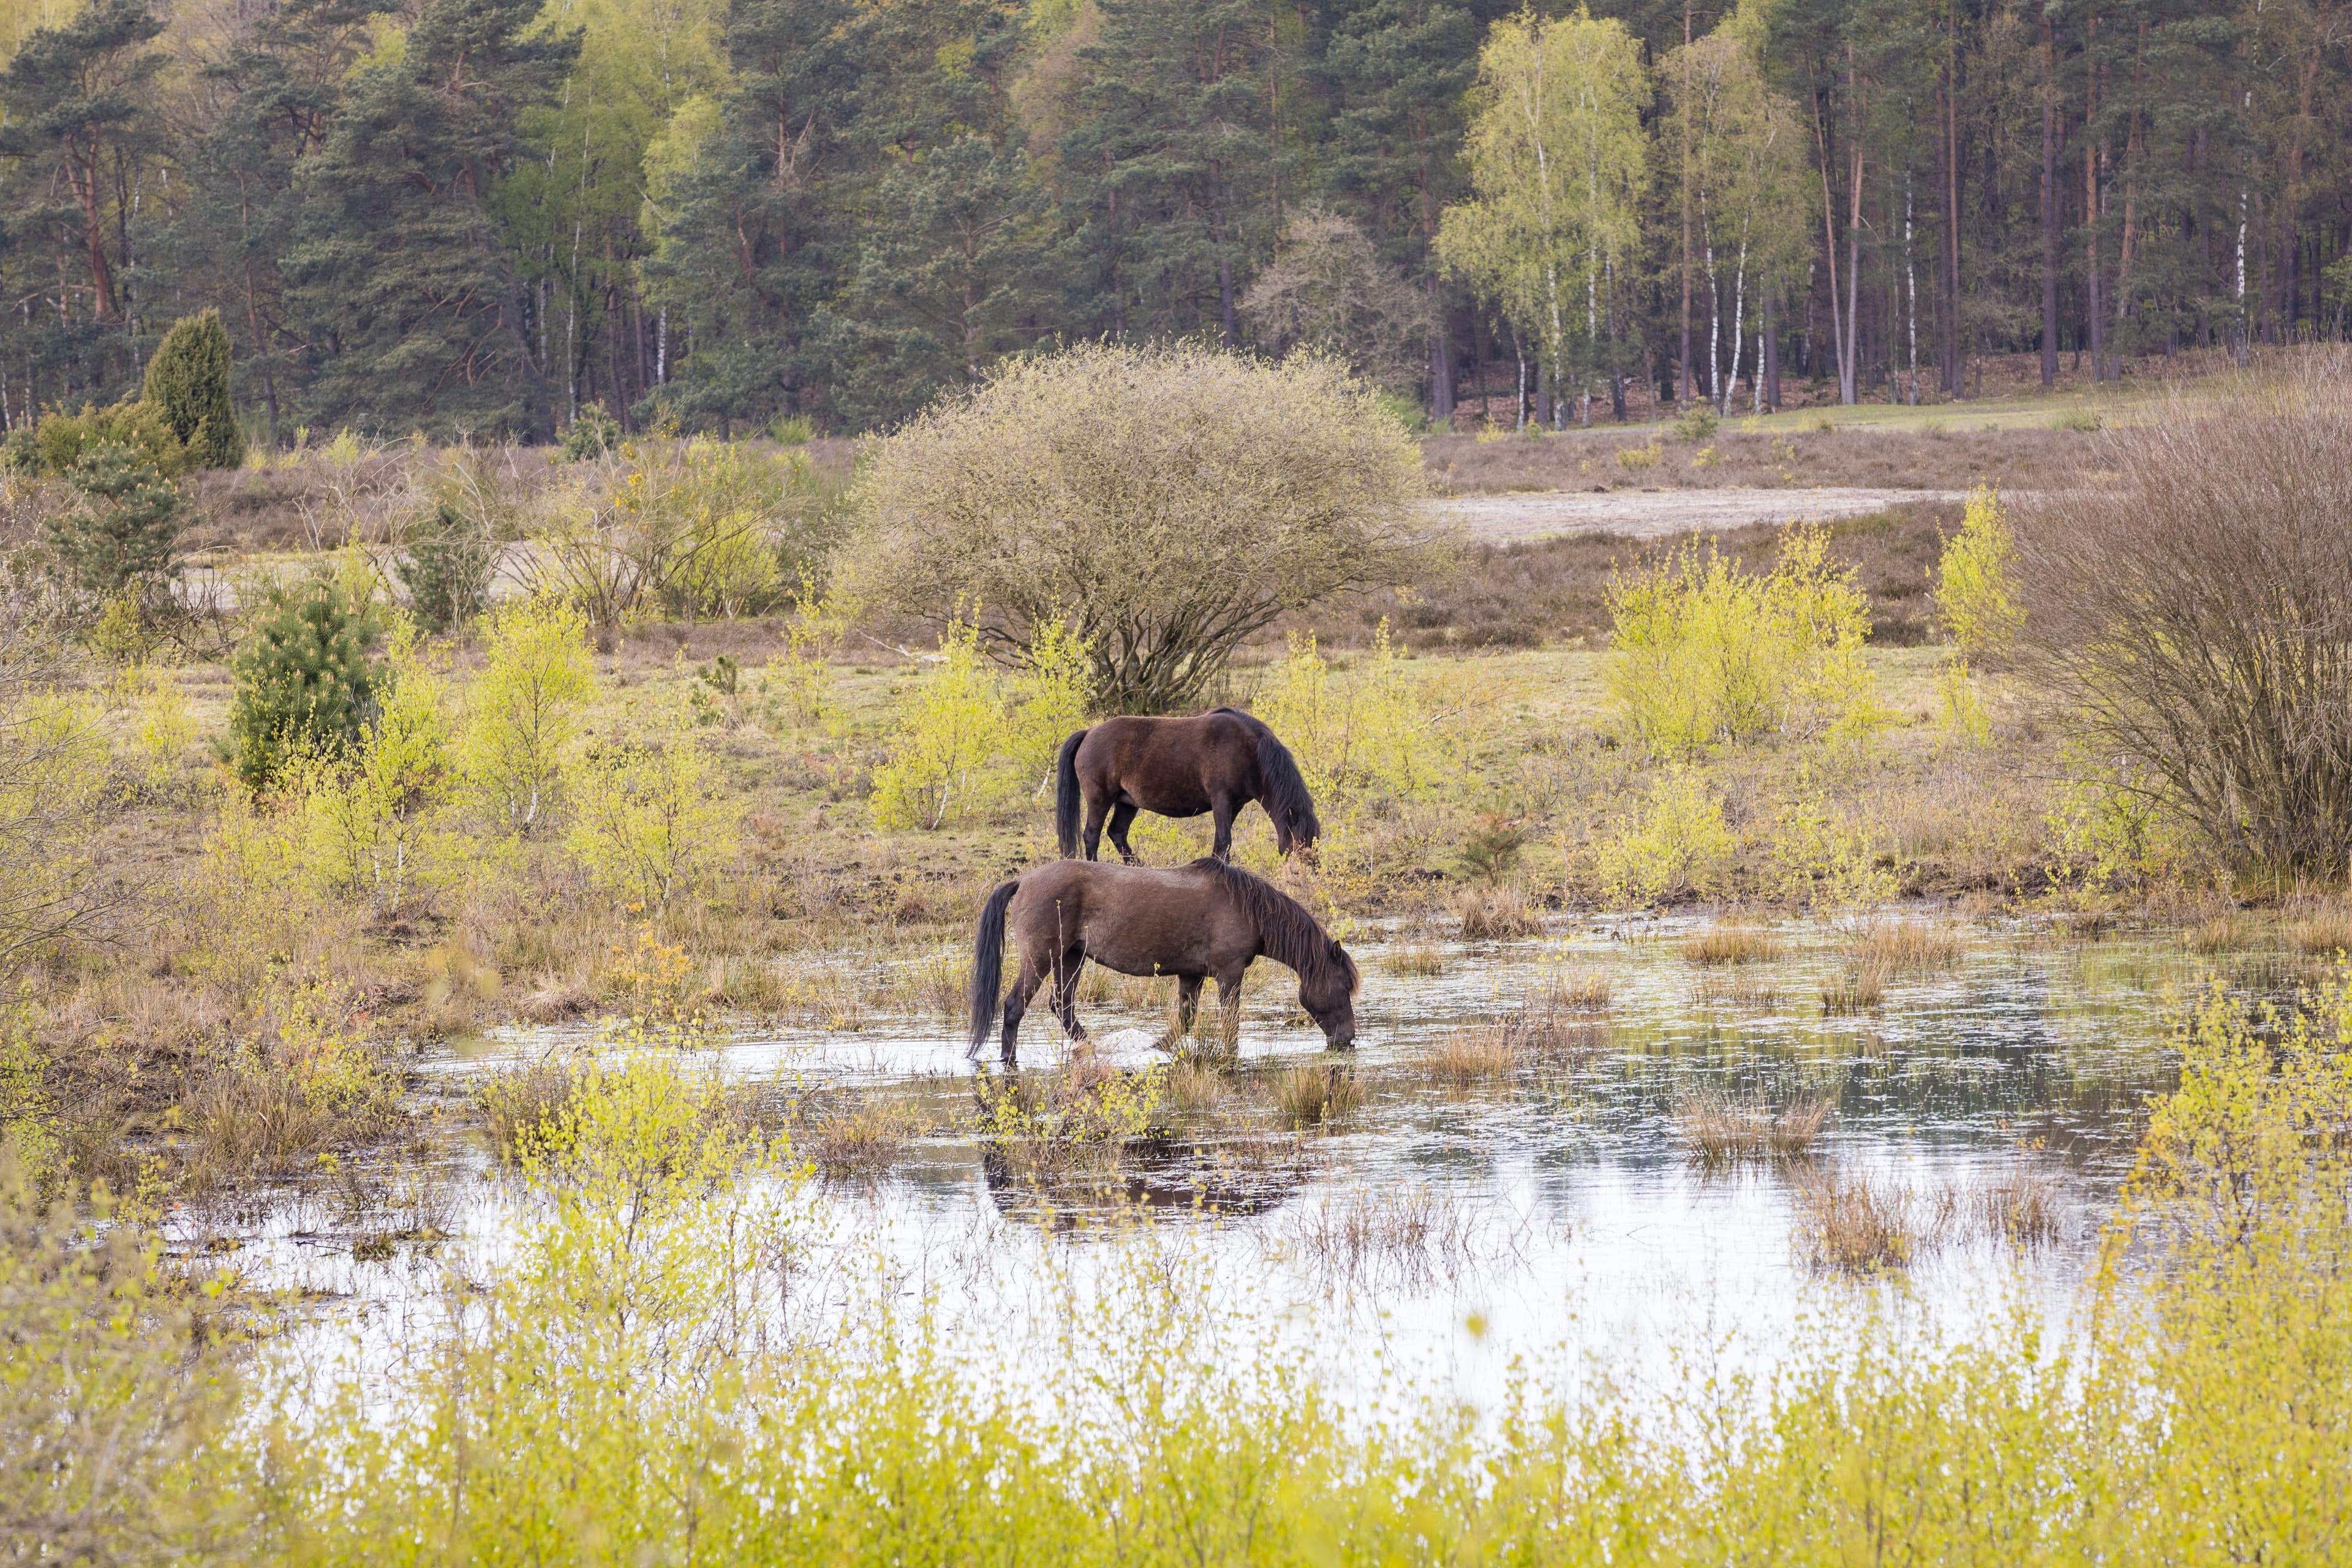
(1329, 997)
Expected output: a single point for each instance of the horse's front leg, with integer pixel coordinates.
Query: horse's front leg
(1121, 816)
(1016, 1002)
(1226, 808)
(1229, 1009)
(1188, 1002)
(1066, 991)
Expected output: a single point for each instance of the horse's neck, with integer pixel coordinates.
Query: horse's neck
(1286, 944)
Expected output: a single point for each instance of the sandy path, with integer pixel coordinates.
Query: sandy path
(1649, 514)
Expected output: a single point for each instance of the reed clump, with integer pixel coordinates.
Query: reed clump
(2218, 934)
(2325, 930)
(858, 1135)
(1735, 942)
(1497, 914)
(1863, 1224)
(518, 1102)
(1474, 1053)
(1200, 1083)
(1897, 946)
(1409, 1236)
(1722, 1129)
(1859, 986)
(1311, 1094)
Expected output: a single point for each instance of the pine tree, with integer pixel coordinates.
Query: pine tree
(122, 530)
(448, 570)
(753, 237)
(400, 274)
(188, 380)
(304, 682)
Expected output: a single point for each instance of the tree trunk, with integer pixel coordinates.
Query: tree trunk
(2049, 203)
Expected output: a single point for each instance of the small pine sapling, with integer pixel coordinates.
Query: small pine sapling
(447, 569)
(304, 682)
(125, 522)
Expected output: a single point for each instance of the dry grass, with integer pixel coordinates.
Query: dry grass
(1733, 943)
(1863, 1224)
(1475, 1053)
(1585, 993)
(2325, 931)
(858, 1135)
(1740, 990)
(2218, 934)
(1564, 1018)
(1860, 987)
(1199, 1082)
(517, 1101)
(1415, 956)
(1906, 945)
(1721, 1129)
(1309, 1094)
(2025, 1207)
(1408, 1237)
(1497, 914)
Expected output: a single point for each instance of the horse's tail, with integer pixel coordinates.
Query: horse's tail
(1285, 797)
(1066, 795)
(988, 962)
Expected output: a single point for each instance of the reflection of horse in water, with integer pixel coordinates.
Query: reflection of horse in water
(1161, 1173)
(1207, 918)
(1218, 763)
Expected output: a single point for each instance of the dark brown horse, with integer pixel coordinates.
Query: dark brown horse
(1218, 762)
(1207, 919)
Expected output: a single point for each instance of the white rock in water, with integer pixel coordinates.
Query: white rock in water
(1126, 1046)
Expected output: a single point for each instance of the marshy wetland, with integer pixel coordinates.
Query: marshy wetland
(1816, 1046)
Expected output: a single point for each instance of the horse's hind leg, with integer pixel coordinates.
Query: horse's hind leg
(1095, 811)
(1066, 991)
(1016, 1002)
(1121, 816)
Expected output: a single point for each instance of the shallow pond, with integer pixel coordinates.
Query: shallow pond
(1558, 1208)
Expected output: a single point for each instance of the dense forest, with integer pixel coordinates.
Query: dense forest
(486, 215)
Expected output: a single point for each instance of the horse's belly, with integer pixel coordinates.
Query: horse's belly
(1149, 947)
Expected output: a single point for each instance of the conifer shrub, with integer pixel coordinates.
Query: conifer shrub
(188, 385)
(594, 433)
(124, 524)
(305, 684)
(447, 568)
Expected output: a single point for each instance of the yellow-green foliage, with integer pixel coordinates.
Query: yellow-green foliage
(1705, 653)
(370, 806)
(645, 821)
(27, 1136)
(1976, 586)
(1676, 842)
(115, 1398)
(946, 729)
(1382, 728)
(2107, 824)
(521, 710)
(61, 439)
(1049, 699)
(621, 1376)
(802, 676)
(1817, 853)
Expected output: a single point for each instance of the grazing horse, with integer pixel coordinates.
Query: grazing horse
(1219, 762)
(1207, 918)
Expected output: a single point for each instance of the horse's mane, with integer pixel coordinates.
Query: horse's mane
(1292, 936)
(1285, 797)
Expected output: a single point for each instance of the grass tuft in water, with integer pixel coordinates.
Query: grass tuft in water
(1721, 1129)
(1900, 945)
(1311, 1094)
(1860, 987)
(1863, 1224)
(1497, 914)
(1474, 1053)
(1733, 943)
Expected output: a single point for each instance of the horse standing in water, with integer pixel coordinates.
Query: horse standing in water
(1218, 762)
(1197, 922)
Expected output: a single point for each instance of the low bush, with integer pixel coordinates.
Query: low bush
(1703, 652)
(446, 568)
(2189, 616)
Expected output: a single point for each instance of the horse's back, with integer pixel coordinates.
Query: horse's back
(1178, 760)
